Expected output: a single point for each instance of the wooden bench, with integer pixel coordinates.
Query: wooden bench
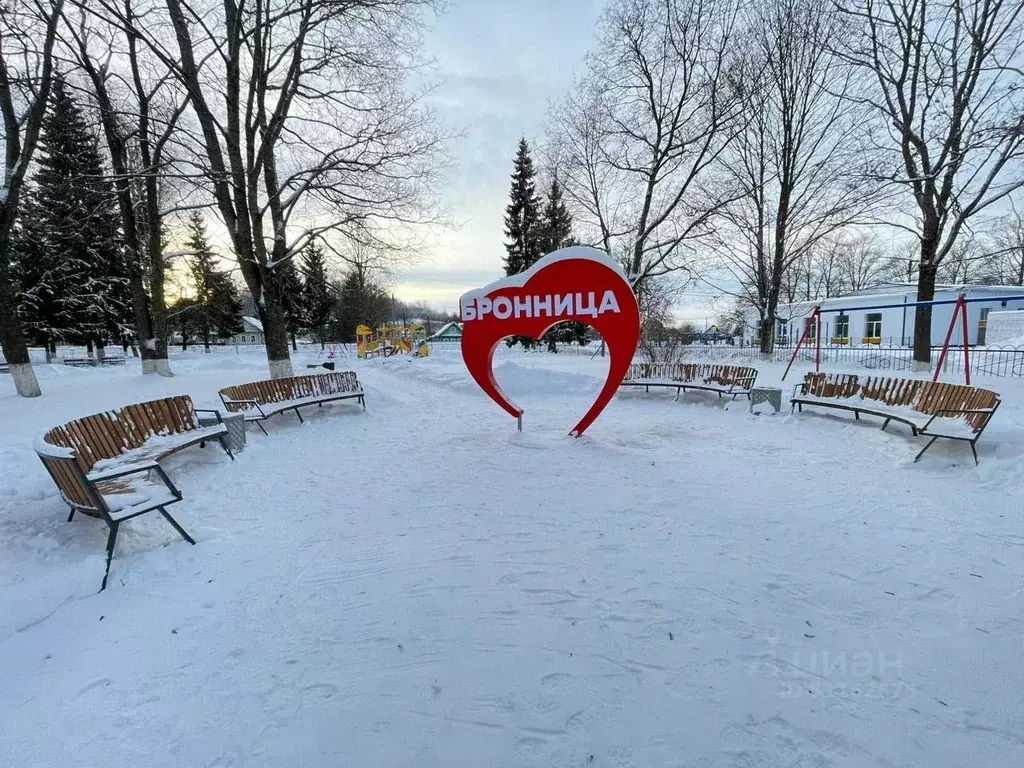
(259, 400)
(930, 408)
(104, 464)
(83, 362)
(731, 380)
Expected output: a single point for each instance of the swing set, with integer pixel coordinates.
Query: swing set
(959, 313)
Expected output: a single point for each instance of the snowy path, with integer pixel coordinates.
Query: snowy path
(687, 585)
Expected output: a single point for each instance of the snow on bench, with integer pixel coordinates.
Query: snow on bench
(732, 380)
(930, 408)
(259, 400)
(104, 465)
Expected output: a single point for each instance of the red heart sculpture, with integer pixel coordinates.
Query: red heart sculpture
(576, 283)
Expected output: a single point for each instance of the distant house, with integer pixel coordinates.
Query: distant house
(251, 333)
(449, 332)
(711, 335)
(891, 325)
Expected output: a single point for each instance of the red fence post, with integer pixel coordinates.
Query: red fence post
(949, 335)
(799, 344)
(962, 303)
(817, 338)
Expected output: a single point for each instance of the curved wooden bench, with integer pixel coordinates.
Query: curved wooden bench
(103, 464)
(259, 400)
(930, 408)
(732, 380)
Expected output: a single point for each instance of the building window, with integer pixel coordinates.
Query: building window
(811, 328)
(780, 329)
(842, 327)
(873, 326)
(253, 338)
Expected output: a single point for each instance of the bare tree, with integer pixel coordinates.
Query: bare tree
(965, 262)
(641, 133)
(861, 261)
(28, 34)
(795, 162)
(947, 93)
(304, 124)
(139, 107)
(593, 188)
(1004, 249)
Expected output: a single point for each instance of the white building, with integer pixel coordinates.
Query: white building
(252, 332)
(842, 323)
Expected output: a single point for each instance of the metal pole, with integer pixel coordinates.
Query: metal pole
(949, 335)
(817, 338)
(803, 336)
(903, 330)
(967, 361)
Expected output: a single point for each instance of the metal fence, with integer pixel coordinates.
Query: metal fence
(985, 361)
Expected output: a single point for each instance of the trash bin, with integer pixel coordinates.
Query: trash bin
(235, 423)
(759, 396)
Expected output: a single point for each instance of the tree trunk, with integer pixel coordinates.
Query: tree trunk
(275, 335)
(926, 277)
(295, 346)
(90, 351)
(12, 338)
(768, 326)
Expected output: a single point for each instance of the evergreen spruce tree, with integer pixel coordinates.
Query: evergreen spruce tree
(291, 292)
(522, 222)
(79, 291)
(217, 311)
(556, 232)
(37, 273)
(522, 215)
(227, 306)
(316, 296)
(556, 221)
(360, 302)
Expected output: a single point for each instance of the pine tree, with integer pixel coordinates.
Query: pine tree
(217, 310)
(79, 291)
(556, 232)
(522, 215)
(522, 222)
(227, 306)
(37, 274)
(201, 268)
(360, 302)
(290, 290)
(316, 296)
(556, 221)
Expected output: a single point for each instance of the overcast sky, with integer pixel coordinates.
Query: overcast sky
(500, 62)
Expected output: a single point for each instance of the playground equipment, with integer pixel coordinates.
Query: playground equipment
(389, 340)
(959, 314)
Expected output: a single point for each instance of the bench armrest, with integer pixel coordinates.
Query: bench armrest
(214, 411)
(245, 402)
(961, 412)
(132, 469)
(121, 471)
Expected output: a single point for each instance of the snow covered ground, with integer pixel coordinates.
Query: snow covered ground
(420, 585)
